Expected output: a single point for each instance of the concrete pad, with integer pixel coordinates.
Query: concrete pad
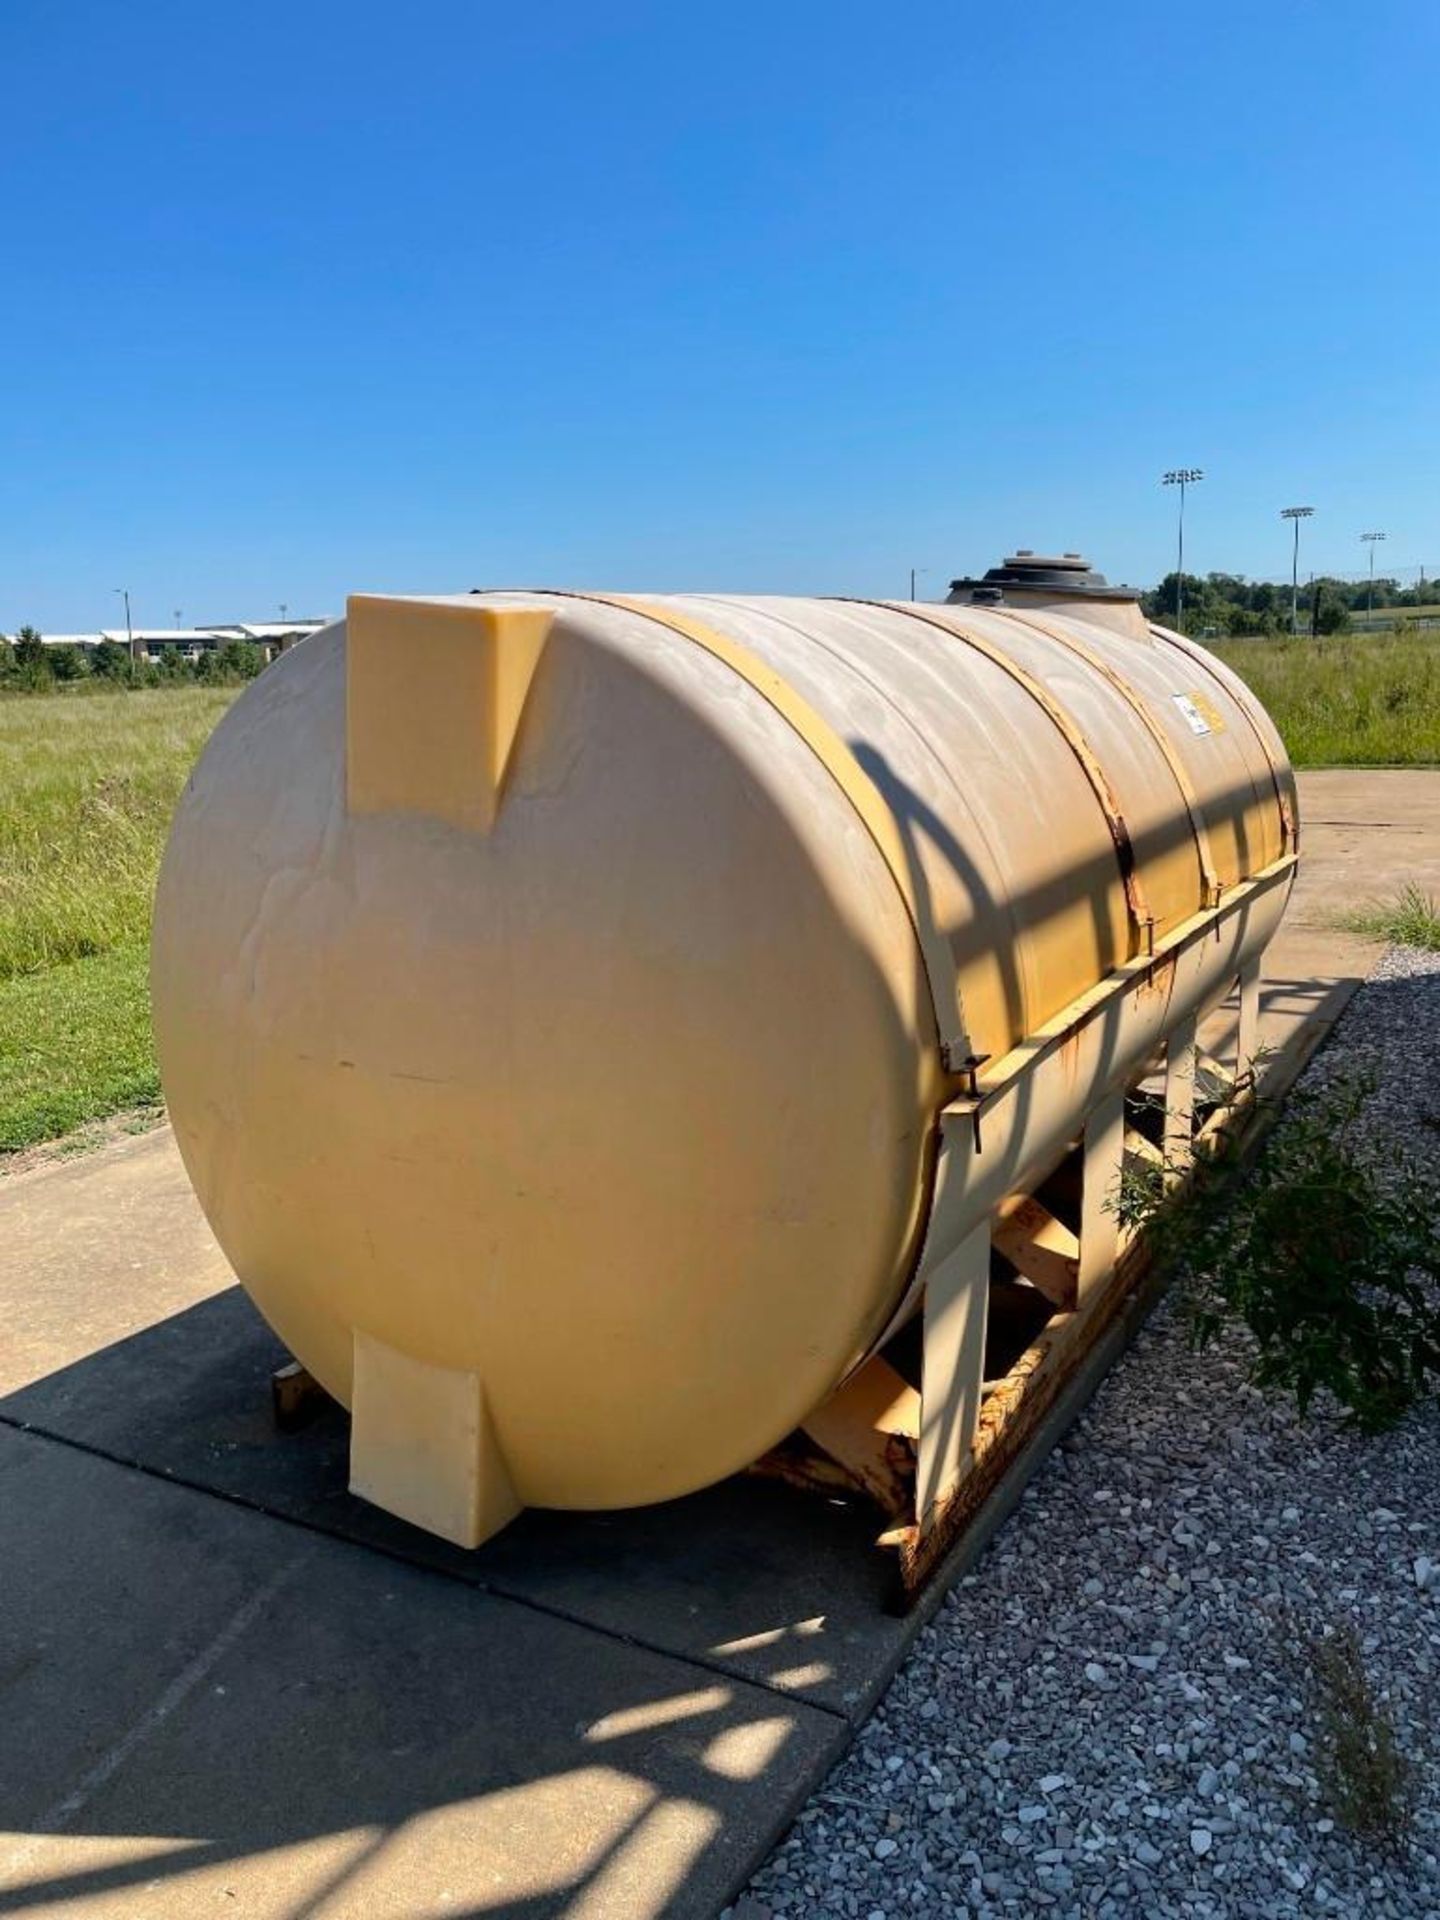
(1364, 833)
(750, 1578)
(216, 1708)
(94, 1247)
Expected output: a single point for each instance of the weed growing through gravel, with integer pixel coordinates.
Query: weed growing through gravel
(1335, 1273)
(1366, 1778)
(1412, 919)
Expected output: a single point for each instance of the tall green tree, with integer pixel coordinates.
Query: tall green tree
(112, 661)
(29, 648)
(67, 663)
(32, 665)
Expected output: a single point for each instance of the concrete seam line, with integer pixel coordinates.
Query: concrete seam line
(495, 1591)
(59, 1816)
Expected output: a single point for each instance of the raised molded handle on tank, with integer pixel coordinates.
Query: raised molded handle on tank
(433, 700)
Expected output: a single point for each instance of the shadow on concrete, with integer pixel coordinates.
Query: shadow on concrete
(214, 1707)
(731, 1577)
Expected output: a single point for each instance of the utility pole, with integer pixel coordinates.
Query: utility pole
(1370, 539)
(124, 593)
(1297, 514)
(914, 571)
(1181, 477)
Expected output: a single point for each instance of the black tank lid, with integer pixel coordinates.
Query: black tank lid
(1068, 573)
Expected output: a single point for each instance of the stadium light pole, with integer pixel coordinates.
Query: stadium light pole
(124, 593)
(1297, 514)
(1370, 539)
(1181, 477)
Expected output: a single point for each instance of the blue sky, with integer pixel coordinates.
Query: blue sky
(307, 299)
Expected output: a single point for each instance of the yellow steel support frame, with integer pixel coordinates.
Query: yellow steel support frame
(952, 1382)
(1103, 1163)
(1247, 1031)
(972, 1426)
(1018, 1069)
(1180, 1067)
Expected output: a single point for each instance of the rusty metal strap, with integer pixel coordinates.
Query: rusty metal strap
(1141, 918)
(1289, 831)
(859, 789)
(1135, 700)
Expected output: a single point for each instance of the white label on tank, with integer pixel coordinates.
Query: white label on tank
(1193, 717)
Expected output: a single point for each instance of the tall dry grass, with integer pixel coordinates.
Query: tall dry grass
(86, 792)
(1353, 700)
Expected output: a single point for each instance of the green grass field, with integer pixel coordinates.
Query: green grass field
(88, 786)
(1357, 700)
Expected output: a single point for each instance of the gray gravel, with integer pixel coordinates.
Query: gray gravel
(1110, 1716)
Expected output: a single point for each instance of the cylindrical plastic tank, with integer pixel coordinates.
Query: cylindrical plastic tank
(555, 993)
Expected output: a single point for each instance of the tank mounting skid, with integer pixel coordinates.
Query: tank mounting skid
(617, 1041)
(928, 1427)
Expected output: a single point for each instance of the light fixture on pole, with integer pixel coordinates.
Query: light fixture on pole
(1370, 539)
(124, 593)
(1297, 514)
(1181, 477)
(915, 573)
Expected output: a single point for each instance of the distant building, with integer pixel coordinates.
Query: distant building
(150, 641)
(275, 636)
(271, 636)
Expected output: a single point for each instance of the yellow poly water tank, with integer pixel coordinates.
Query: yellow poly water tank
(555, 993)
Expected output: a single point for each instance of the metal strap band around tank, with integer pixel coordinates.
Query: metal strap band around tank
(1289, 831)
(1209, 878)
(859, 789)
(1141, 918)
